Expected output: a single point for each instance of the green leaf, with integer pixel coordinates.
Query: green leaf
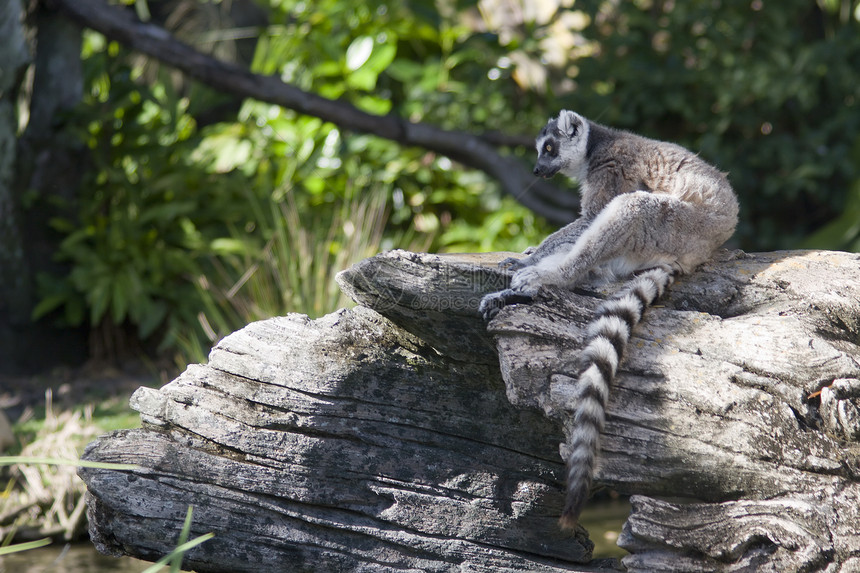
(75, 311)
(176, 562)
(99, 299)
(358, 52)
(405, 71)
(167, 212)
(328, 69)
(363, 79)
(333, 90)
(180, 550)
(62, 225)
(315, 184)
(152, 317)
(373, 104)
(381, 57)
(120, 297)
(48, 304)
(227, 246)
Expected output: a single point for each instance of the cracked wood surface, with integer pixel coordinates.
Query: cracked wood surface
(339, 444)
(738, 399)
(359, 442)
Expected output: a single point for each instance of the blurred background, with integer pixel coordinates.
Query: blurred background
(148, 214)
(144, 215)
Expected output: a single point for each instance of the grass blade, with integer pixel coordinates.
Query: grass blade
(176, 562)
(175, 557)
(180, 550)
(24, 460)
(24, 546)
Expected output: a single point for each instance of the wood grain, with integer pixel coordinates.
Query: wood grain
(405, 434)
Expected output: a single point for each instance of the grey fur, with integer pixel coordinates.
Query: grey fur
(646, 204)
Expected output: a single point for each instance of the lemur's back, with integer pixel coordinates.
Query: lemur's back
(637, 163)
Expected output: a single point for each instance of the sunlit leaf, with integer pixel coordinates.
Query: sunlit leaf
(382, 57)
(362, 79)
(374, 105)
(358, 52)
(228, 246)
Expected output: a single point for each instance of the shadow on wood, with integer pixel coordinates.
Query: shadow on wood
(387, 437)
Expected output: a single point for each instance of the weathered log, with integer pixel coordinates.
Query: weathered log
(340, 444)
(358, 442)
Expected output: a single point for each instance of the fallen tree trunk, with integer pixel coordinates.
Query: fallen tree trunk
(381, 437)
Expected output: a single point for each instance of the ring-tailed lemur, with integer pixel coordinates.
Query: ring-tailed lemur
(646, 205)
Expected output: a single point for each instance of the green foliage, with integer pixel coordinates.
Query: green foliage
(768, 91)
(289, 263)
(49, 446)
(418, 62)
(146, 211)
(186, 234)
(844, 232)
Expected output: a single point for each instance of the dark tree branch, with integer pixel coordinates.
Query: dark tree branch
(545, 199)
(500, 139)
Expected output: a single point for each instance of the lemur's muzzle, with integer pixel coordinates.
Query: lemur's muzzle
(545, 171)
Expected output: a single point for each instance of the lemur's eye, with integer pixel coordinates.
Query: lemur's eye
(548, 147)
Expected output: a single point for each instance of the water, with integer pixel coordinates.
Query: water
(604, 520)
(74, 558)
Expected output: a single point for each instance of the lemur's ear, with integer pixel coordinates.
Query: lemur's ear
(569, 123)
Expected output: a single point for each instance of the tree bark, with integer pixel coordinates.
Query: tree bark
(43, 164)
(556, 205)
(738, 400)
(14, 286)
(50, 160)
(339, 444)
(381, 437)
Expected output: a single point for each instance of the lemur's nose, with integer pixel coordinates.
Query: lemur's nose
(536, 171)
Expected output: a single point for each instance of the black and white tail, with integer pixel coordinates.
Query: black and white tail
(606, 340)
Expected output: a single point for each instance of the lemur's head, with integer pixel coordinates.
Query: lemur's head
(561, 145)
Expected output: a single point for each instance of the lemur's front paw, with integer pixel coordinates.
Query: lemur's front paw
(492, 303)
(530, 279)
(512, 263)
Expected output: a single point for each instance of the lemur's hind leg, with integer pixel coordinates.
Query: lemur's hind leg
(634, 231)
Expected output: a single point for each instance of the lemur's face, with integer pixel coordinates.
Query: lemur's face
(561, 145)
(547, 149)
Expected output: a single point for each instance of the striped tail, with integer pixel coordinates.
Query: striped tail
(606, 340)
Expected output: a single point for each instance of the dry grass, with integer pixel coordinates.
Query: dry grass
(294, 271)
(44, 500)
